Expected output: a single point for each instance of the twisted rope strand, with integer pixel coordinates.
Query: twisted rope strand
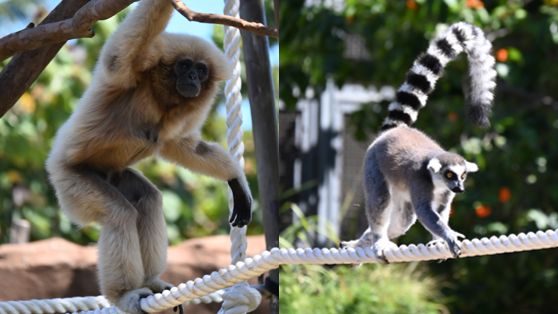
(98, 304)
(241, 298)
(234, 118)
(267, 260)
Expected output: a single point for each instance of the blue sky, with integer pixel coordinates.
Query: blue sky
(177, 24)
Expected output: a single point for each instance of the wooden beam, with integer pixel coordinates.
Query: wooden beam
(264, 124)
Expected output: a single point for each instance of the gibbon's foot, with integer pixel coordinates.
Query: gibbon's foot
(381, 245)
(157, 285)
(242, 210)
(178, 308)
(130, 301)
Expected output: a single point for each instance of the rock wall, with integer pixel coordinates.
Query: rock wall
(56, 268)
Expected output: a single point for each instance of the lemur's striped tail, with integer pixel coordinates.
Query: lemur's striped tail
(427, 69)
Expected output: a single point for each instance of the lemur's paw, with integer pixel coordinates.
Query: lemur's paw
(455, 248)
(435, 242)
(384, 244)
(129, 302)
(381, 245)
(366, 240)
(454, 244)
(349, 244)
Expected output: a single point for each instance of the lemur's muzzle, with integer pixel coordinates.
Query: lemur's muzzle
(458, 189)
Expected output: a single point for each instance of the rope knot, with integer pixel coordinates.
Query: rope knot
(240, 299)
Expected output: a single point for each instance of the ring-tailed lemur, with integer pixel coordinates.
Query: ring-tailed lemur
(407, 175)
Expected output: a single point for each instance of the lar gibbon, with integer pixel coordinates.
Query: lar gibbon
(150, 94)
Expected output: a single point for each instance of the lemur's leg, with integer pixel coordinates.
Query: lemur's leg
(147, 199)
(421, 194)
(444, 210)
(402, 220)
(378, 210)
(379, 202)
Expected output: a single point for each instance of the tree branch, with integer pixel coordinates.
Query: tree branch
(36, 46)
(253, 27)
(25, 67)
(80, 25)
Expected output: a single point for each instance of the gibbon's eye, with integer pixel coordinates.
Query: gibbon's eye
(202, 70)
(183, 66)
(449, 175)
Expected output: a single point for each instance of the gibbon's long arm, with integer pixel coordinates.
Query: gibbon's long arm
(124, 54)
(202, 157)
(212, 160)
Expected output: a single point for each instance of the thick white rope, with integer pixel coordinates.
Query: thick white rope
(241, 298)
(54, 305)
(234, 118)
(98, 304)
(268, 260)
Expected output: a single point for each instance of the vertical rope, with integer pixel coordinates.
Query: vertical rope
(234, 119)
(240, 298)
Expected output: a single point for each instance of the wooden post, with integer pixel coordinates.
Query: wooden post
(264, 123)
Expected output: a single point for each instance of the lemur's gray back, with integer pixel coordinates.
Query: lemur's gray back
(427, 69)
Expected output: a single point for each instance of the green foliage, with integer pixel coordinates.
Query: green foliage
(194, 205)
(403, 288)
(516, 189)
(382, 289)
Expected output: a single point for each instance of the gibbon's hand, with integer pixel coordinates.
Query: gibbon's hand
(242, 210)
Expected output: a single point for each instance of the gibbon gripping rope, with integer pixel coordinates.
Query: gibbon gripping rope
(267, 260)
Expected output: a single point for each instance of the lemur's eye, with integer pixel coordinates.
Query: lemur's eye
(449, 175)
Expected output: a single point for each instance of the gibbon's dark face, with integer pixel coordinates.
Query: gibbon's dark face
(189, 77)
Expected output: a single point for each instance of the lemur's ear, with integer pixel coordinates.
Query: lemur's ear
(471, 166)
(434, 165)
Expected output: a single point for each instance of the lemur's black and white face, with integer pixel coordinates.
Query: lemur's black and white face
(450, 174)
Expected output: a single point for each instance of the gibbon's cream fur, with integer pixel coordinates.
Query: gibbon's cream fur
(151, 93)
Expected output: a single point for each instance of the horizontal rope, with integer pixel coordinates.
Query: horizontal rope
(98, 304)
(268, 260)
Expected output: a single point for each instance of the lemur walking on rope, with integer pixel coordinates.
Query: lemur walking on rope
(407, 175)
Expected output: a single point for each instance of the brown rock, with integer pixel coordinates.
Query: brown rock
(56, 268)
